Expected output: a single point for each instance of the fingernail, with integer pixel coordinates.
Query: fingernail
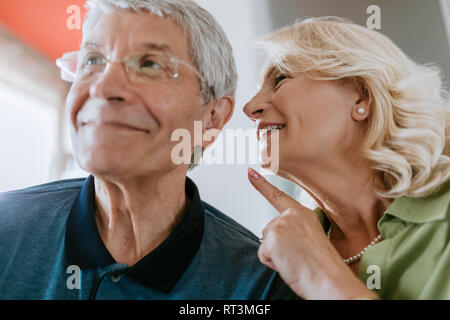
(252, 173)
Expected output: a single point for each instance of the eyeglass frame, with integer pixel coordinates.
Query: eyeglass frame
(69, 75)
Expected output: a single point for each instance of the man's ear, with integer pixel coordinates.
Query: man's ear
(216, 116)
(219, 113)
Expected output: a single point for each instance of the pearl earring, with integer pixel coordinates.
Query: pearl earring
(361, 110)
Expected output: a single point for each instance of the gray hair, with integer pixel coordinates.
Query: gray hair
(210, 48)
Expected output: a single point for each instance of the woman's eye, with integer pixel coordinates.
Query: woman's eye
(278, 79)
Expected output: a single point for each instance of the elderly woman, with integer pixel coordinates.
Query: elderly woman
(365, 131)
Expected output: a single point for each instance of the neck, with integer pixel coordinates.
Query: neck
(345, 191)
(135, 215)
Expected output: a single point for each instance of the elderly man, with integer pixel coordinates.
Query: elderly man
(136, 227)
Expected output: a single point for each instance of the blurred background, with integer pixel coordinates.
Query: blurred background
(34, 143)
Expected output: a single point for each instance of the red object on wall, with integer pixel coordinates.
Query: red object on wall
(46, 25)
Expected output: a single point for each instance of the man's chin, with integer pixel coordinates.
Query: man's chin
(104, 164)
(105, 170)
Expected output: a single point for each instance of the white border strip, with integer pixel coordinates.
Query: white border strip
(445, 8)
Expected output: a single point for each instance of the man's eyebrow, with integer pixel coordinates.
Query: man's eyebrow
(155, 46)
(145, 45)
(90, 44)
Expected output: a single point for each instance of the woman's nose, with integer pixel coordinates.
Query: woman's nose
(254, 108)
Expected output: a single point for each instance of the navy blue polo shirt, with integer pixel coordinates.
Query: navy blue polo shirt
(50, 248)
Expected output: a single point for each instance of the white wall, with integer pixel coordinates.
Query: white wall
(27, 131)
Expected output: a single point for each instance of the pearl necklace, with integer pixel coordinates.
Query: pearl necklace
(357, 256)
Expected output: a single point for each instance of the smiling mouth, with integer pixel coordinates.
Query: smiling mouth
(266, 130)
(115, 125)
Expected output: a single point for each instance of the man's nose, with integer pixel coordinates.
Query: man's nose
(255, 107)
(112, 84)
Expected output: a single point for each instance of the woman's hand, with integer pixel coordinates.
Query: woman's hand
(295, 245)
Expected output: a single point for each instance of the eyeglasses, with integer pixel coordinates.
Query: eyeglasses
(141, 68)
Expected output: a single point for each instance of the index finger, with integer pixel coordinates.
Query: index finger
(277, 198)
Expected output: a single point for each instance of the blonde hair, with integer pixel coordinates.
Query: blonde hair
(408, 134)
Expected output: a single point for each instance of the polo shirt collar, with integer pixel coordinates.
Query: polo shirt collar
(322, 218)
(417, 210)
(161, 268)
(433, 207)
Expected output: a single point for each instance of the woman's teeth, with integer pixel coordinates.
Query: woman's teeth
(268, 129)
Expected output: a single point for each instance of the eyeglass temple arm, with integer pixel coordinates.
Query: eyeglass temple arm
(66, 74)
(187, 65)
